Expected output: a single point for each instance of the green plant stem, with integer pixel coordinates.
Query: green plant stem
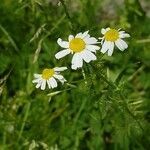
(4, 140)
(108, 82)
(129, 112)
(122, 97)
(84, 101)
(9, 38)
(143, 41)
(80, 110)
(67, 14)
(24, 120)
(38, 50)
(135, 73)
(66, 11)
(84, 76)
(99, 75)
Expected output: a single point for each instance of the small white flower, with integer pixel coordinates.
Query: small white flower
(111, 38)
(82, 45)
(49, 76)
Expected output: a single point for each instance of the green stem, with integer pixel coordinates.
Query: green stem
(143, 41)
(84, 76)
(122, 97)
(38, 50)
(4, 140)
(108, 82)
(99, 75)
(80, 110)
(24, 120)
(66, 11)
(135, 73)
(67, 14)
(9, 38)
(84, 101)
(129, 112)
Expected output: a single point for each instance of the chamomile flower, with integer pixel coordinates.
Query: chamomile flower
(82, 46)
(49, 76)
(111, 38)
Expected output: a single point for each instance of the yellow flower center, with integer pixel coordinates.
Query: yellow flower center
(47, 73)
(111, 35)
(77, 45)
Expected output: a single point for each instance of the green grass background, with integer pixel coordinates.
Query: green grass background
(106, 109)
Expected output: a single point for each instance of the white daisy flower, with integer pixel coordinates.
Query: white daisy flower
(49, 76)
(82, 46)
(111, 38)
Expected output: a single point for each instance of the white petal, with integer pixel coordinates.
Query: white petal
(85, 34)
(37, 80)
(101, 40)
(37, 75)
(70, 37)
(107, 29)
(82, 35)
(53, 82)
(77, 61)
(103, 31)
(121, 32)
(105, 47)
(60, 78)
(79, 35)
(62, 53)
(88, 56)
(38, 85)
(49, 84)
(92, 48)
(118, 44)
(124, 35)
(60, 68)
(62, 43)
(122, 45)
(111, 48)
(43, 84)
(90, 40)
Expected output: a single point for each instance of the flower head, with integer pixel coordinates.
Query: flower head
(82, 46)
(111, 38)
(49, 76)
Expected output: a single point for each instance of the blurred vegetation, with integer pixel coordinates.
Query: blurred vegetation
(111, 111)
